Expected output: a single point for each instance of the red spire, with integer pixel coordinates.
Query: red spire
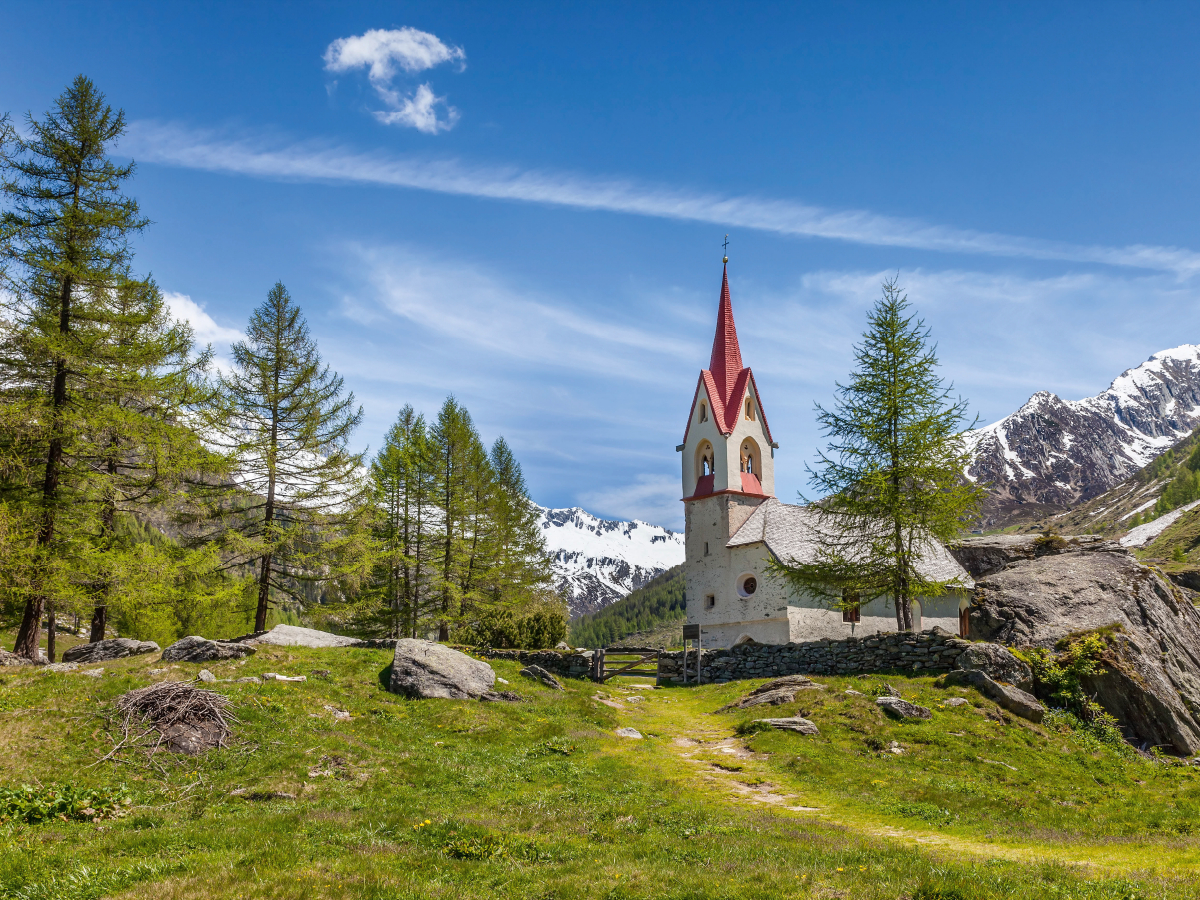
(726, 361)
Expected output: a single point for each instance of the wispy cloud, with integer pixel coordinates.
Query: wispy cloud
(312, 161)
(381, 52)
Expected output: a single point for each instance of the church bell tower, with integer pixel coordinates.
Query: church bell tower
(728, 460)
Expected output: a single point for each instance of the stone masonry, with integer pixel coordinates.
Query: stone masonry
(926, 651)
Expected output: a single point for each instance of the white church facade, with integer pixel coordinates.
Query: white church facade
(734, 525)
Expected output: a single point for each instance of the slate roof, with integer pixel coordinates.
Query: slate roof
(789, 532)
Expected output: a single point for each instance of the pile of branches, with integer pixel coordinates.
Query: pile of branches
(177, 714)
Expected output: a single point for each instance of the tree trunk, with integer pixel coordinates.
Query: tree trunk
(29, 634)
(50, 629)
(99, 622)
(264, 593)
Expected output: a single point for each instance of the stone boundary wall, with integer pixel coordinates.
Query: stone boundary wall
(926, 651)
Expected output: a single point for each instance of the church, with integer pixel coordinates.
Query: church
(734, 525)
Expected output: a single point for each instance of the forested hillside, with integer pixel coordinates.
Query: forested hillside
(660, 601)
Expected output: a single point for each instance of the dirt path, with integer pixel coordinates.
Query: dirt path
(704, 744)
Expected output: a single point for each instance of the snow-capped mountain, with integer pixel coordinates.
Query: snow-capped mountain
(1052, 454)
(598, 561)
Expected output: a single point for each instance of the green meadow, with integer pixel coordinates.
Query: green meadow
(347, 791)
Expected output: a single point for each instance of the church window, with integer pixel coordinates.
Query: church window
(964, 619)
(851, 607)
(710, 601)
(706, 548)
(747, 585)
(748, 459)
(703, 411)
(749, 409)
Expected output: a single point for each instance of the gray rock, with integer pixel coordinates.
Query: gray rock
(425, 670)
(1015, 700)
(902, 709)
(103, 651)
(250, 679)
(955, 701)
(295, 636)
(629, 733)
(998, 664)
(501, 697)
(793, 723)
(1151, 680)
(60, 667)
(537, 673)
(207, 677)
(12, 659)
(197, 650)
(562, 645)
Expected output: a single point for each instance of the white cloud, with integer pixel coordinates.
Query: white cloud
(420, 112)
(173, 145)
(205, 329)
(382, 52)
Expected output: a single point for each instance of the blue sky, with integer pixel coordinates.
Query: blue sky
(523, 204)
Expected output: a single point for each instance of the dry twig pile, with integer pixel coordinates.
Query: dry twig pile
(177, 714)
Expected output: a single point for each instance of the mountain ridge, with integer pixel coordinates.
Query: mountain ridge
(1052, 454)
(599, 561)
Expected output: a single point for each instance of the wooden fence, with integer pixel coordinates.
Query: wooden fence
(613, 661)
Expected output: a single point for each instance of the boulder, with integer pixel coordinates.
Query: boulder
(1015, 700)
(775, 693)
(1151, 680)
(103, 651)
(207, 677)
(295, 636)
(998, 664)
(902, 709)
(425, 670)
(983, 556)
(12, 659)
(629, 733)
(955, 701)
(198, 650)
(793, 723)
(537, 673)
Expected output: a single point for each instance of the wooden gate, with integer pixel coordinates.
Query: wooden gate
(613, 661)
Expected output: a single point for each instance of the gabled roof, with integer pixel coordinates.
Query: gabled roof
(726, 379)
(790, 533)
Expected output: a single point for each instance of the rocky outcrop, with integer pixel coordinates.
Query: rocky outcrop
(774, 693)
(998, 664)
(537, 673)
(792, 723)
(103, 651)
(1016, 701)
(425, 670)
(1151, 679)
(902, 709)
(295, 636)
(197, 650)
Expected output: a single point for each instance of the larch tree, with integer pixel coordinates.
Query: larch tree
(297, 507)
(76, 373)
(404, 530)
(521, 567)
(893, 474)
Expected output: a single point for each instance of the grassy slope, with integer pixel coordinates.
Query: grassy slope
(541, 800)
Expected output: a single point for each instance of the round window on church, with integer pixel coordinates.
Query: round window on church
(747, 585)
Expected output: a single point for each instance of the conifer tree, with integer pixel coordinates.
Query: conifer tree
(93, 375)
(460, 467)
(404, 492)
(893, 472)
(298, 505)
(521, 566)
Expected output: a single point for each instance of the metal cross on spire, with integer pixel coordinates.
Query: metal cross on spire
(726, 246)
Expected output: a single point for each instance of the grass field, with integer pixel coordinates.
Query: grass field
(458, 799)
